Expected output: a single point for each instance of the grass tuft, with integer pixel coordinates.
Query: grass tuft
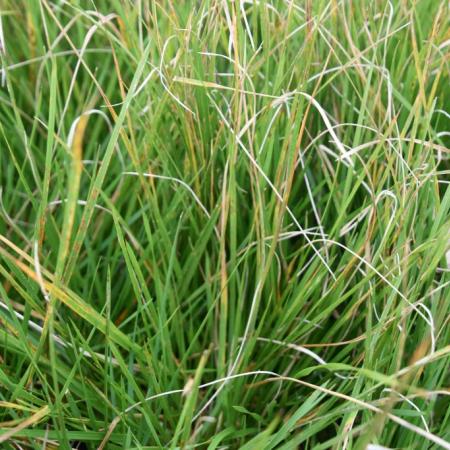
(224, 224)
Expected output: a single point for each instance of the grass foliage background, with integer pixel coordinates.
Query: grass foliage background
(233, 216)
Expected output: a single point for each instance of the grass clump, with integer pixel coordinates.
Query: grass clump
(224, 224)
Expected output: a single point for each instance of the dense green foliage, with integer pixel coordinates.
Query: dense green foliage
(224, 224)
